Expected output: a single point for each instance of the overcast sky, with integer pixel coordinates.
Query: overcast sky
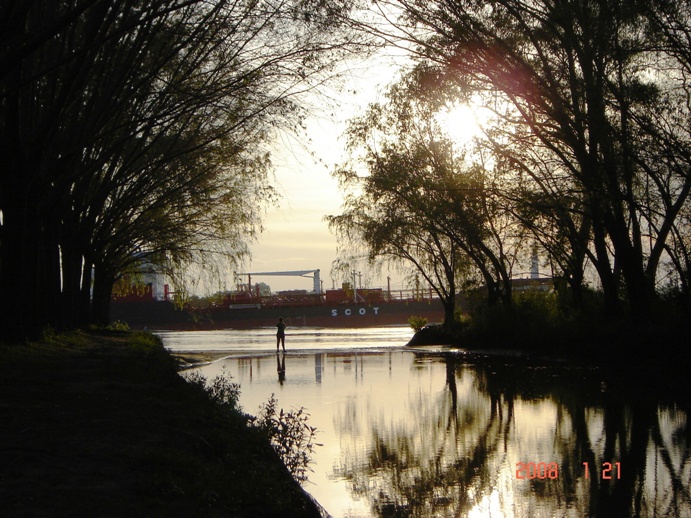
(296, 237)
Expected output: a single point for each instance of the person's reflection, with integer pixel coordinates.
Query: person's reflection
(281, 367)
(451, 382)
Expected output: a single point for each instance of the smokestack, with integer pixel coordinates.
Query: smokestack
(534, 265)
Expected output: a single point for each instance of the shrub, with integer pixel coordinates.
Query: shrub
(221, 390)
(290, 435)
(417, 323)
(536, 310)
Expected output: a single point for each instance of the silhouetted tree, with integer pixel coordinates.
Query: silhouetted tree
(600, 94)
(422, 202)
(137, 131)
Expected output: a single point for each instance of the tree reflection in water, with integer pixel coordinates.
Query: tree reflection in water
(456, 451)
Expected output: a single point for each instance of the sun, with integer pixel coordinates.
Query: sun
(464, 122)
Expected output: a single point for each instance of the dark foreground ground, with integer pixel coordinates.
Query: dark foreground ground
(101, 424)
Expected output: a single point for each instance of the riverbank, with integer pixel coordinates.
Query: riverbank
(101, 424)
(657, 354)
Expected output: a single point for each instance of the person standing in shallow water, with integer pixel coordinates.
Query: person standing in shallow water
(281, 334)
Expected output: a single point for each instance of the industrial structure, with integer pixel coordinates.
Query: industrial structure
(312, 274)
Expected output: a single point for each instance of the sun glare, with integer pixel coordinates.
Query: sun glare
(463, 122)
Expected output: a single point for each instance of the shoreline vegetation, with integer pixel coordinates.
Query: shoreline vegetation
(99, 423)
(538, 329)
(655, 371)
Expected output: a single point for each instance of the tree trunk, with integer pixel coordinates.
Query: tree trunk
(449, 310)
(85, 294)
(23, 303)
(631, 263)
(610, 286)
(103, 290)
(71, 285)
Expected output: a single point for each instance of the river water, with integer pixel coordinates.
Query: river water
(431, 433)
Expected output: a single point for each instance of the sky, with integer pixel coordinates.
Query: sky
(295, 235)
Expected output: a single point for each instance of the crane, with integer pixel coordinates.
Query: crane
(312, 274)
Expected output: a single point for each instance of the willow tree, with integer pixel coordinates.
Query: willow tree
(390, 221)
(546, 202)
(601, 98)
(421, 202)
(139, 131)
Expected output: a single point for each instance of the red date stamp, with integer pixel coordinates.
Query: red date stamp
(550, 470)
(609, 470)
(539, 470)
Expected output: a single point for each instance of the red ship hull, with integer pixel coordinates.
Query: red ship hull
(164, 315)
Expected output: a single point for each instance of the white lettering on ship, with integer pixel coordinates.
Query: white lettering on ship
(348, 312)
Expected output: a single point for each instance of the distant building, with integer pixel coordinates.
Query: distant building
(146, 284)
(535, 282)
(159, 285)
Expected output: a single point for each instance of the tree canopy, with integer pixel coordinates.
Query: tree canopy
(421, 203)
(138, 132)
(591, 139)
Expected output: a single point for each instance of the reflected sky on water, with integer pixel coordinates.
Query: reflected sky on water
(263, 339)
(411, 433)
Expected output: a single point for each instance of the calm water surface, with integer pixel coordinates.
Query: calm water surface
(421, 433)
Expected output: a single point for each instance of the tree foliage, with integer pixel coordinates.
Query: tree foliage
(593, 141)
(138, 132)
(421, 203)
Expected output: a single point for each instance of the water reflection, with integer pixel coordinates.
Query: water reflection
(510, 441)
(281, 367)
(413, 434)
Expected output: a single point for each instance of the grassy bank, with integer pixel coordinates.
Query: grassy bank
(651, 360)
(539, 328)
(101, 424)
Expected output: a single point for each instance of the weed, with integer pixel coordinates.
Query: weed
(196, 379)
(220, 390)
(223, 391)
(290, 435)
(76, 338)
(118, 325)
(144, 342)
(417, 323)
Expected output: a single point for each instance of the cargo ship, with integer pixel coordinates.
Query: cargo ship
(247, 307)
